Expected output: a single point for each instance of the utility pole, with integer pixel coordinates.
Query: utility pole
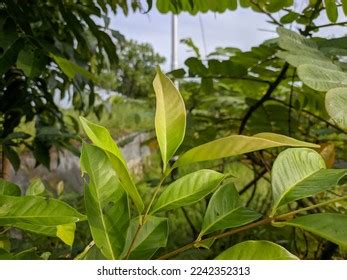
(174, 42)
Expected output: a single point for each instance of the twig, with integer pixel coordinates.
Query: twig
(265, 97)
(264, 221)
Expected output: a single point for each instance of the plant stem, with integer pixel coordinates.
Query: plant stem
(134, 239)
(265, 221)
(265, 97)
(142, 220)
(85, 251)
(289, 214)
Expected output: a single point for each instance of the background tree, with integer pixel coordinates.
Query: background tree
(46, 50)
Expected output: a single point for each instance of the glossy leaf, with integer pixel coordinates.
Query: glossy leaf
(236, 145)
(8, 188)
(256, 250)
(291, 167)
(36, 187)
(187, 190)
(300, 173)
(152, 236)
(225, 211)
(336, 105)
(170, 117)
(102, 139)
(36, 210)
(106, 202)
(331, 226)
(65, 232)
(320, 78)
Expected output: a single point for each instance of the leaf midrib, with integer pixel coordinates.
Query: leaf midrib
(293, 186)
(221, 217)
(102, 216)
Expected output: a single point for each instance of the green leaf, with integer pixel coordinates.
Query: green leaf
(236, 145)
(102, 139)
(300, 173)
(290, 169)
(65, 232)
(330, 226)
(36, 210)
(106, 202)
(5, 242)
(256, 250)
(8, 188)
(4, 255)
(289, 18)
(70, 69)
(298, 59)
(189, 189)
(331, 9)
(296, 43)
(36, 187)
(30, 254)
(32, 62)
(336, 106)
(151, 236)
(12, 156)
(344, 6)
(320, 78)
(9, 57)
(225, 210)
(170, 117)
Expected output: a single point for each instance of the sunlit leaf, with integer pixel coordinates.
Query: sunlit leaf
(336, 105)
(320, 78)
(65, 232)
(106, 202)
(299, 173)
(36, 187)
(256, 250)
(170, 117)
(102, 139)
(237, 145)
(36, 210)
(187, 190)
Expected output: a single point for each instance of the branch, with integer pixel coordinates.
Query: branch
(312, 115)
(265, 221)
(275, 21)
(266, 96)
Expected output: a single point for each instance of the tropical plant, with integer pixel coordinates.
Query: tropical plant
(124, 226)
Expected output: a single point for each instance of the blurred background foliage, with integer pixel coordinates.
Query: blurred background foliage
(61, 59)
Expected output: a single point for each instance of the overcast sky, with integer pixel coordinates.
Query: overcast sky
(242, 28)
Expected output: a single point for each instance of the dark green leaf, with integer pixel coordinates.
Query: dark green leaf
(8, 188)
(225, 211)
(330, 226)
(151, 236)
